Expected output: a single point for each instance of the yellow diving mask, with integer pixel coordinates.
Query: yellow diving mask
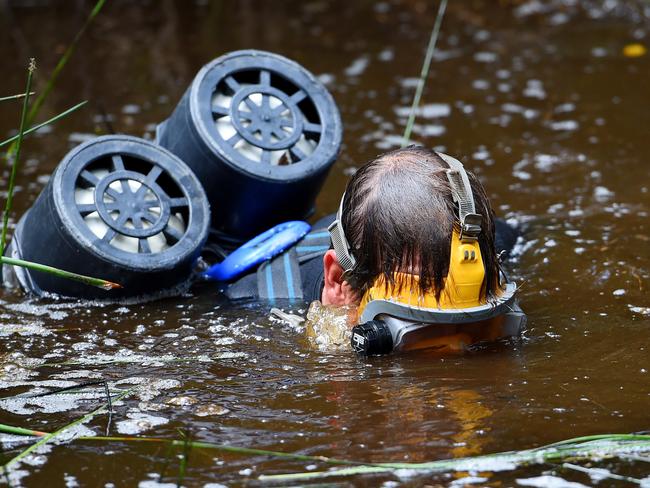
(394, 317)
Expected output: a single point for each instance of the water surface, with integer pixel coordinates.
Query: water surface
(536, 98)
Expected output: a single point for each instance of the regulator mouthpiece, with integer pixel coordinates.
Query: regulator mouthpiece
(372, 338)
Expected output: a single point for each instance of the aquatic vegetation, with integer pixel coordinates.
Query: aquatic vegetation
(581, 368)
(580, 448)
(593, 447)
(16, 97)
(60, 433)
(424, 72)
(49, 121)
(63, 61)
(14, 152)
(16, 156)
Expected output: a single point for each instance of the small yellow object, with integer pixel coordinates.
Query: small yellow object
(634, 50)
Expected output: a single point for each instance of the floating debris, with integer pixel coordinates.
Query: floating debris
(635, 50)
(295, 321)
(210, 409)
(139, 422)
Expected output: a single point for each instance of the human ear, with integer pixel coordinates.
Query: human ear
(336, 291)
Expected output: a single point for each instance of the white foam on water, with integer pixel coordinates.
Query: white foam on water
(480, 84)
(131, 109)
(326, 78)
(25, 330)
(138, 422)
(485, 57)
(357, 67)
(36, 309)
(481, 154)
(522, 175)
(486, 464)
(386, 55)
(598, 52)
(55, 403)
(546, 162)
(602, 194)
(153, 387)
(429, 130)
(389, 141)
(640, 310)
(564, 108)
(534, 89)
(70, 481)
(521, 247)
(548, 481)
(566, 125)
(16, 476)
(513, 108)
(210, 409)
(427, 111)
(156, 484)
(468, 480)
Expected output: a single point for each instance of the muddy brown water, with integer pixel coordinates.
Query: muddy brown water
(535, 97)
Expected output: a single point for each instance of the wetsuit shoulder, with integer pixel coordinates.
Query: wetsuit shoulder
(277, 278)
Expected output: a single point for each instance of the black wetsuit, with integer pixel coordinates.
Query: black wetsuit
(298, 272)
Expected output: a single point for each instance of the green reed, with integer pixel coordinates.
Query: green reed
(51, 82)
(43, 124)
(579, 448)
(45, 438)
(424, 72)
(68, 275)
(16, 156)
(16, 97)
(28, 115)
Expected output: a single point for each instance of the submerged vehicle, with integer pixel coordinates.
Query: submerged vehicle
(248, 147)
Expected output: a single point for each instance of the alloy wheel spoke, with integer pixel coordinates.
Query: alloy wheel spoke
(118, 162)
(232, 83)
(265, 78)
(143, 246)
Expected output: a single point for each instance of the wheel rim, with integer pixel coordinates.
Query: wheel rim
(131, 201)
(268, 113)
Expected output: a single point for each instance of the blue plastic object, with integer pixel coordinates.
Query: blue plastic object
(259, 249)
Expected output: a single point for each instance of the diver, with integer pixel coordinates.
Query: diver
(414, 242)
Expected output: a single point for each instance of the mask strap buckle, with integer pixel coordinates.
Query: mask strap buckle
(461, 192)
(340, 242)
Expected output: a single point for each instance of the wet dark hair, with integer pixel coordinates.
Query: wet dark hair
(399, 215)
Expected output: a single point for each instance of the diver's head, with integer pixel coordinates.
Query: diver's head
(399, 216)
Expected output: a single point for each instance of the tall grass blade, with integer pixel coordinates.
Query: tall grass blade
(49, 437)
(182, 468)
(579, 448)
(10, 429)
(224, 448)
(38, 102)
(16, 157)
(16, 97)
(588, 447)
(47, 122)
(88, 280)
(424, 72)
